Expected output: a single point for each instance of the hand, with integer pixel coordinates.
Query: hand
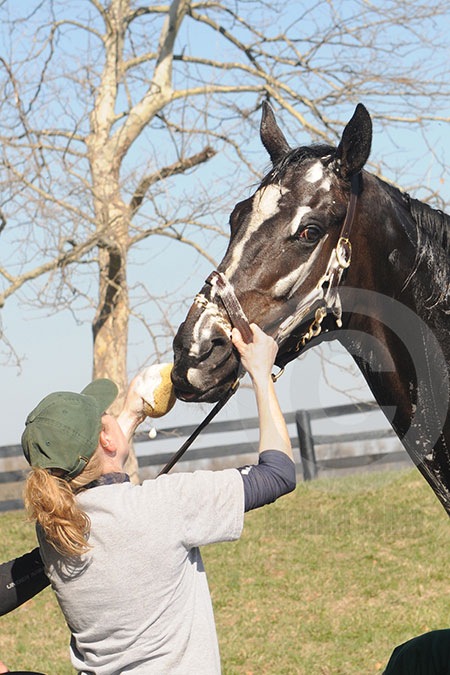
(134, 403)
(257, 357)
(132, 414)
(151, 392)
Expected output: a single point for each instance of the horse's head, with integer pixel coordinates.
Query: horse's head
(283, 240)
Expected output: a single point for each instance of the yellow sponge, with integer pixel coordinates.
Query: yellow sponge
(154, 385)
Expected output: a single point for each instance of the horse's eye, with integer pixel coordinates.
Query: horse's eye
(310, 233)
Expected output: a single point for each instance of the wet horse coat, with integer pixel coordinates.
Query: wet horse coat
(391, 310)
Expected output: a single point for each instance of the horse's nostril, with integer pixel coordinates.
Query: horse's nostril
(220, 341)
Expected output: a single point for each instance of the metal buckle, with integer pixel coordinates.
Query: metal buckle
(344, 245)
(275, 376)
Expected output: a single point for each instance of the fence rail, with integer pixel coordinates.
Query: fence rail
(304, 440)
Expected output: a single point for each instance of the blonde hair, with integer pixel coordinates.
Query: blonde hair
(50, 501)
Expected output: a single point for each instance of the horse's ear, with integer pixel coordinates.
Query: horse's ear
(354, 149)
(271, 135)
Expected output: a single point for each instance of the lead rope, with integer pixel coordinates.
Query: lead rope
(219, 405)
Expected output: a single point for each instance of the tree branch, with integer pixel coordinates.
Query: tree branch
(61, 260)
(179, 237)
(160, 90)
(48, 196)
(178, 167)
(273, 84)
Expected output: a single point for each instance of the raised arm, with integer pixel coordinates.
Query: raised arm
(258, 358)
(275, 474)
(132, 414)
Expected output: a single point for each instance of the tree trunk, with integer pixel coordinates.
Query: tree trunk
(110, 330)
(110, 325)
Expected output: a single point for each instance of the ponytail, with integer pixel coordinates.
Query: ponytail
(50, 501)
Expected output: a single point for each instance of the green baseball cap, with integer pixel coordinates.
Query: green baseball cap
(62, 431)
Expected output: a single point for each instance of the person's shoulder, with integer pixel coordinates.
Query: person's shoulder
(103, 494)
(195, 482)
(192, 477)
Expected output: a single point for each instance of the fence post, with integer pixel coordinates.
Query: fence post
(306, 444)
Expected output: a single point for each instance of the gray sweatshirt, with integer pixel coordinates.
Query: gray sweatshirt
(139, 601)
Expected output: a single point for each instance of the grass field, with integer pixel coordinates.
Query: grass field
(327, 580)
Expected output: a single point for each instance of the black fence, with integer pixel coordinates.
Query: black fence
(304, 440)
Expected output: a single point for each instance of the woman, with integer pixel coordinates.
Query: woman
(123, 559)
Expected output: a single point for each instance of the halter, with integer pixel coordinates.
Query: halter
(324, 296)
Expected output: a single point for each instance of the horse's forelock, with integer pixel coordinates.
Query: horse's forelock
(297, 157)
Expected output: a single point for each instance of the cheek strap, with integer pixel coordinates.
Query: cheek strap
(226, 293)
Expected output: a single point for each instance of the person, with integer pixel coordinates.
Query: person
(426, 654)
(124, 559)
(20, 580)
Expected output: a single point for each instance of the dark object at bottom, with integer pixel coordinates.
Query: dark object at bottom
(427, 654)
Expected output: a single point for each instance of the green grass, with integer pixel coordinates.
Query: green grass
(327, 580)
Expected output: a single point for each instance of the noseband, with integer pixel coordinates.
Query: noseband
(323, 297)
(232, 305)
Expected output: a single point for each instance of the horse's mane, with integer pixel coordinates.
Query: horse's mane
(434, 223)
(432, 235)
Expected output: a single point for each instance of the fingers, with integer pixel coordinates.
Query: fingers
(236, 337)
(258, 334)
(258, 356)
(238, 340)
(256, 330)
(260, 337)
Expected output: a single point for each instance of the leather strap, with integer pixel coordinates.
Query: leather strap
(188, 442)
(232, 305)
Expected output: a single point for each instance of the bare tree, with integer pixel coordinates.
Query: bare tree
(108, 104)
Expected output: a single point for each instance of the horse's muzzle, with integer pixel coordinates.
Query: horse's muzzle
(209, 392)
(204, 374)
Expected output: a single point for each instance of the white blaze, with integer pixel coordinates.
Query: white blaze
(203, 328)
(265, 205)
(209, 316)
(301, 211)
(291, 282)
(315, 172)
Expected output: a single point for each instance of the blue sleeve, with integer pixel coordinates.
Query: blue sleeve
(272, 477)
(20, 580)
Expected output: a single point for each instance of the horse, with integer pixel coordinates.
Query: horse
(325, 250)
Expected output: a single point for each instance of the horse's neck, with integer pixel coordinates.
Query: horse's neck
(412, 390)
(420, 266)
(401, 291)
(406, 360)
(401, 345)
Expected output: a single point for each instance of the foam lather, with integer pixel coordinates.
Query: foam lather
(155, 387)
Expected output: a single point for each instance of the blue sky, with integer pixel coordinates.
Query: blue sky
(56, 351)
